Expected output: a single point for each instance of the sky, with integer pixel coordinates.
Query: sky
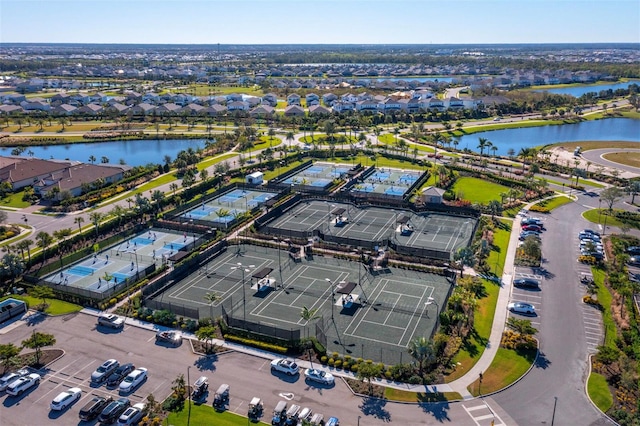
(319, 21)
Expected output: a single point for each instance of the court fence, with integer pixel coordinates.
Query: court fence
(291, 335)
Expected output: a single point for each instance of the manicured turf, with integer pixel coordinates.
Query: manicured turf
(485, 310)
(594, 216)
(14, 200)
(206, 415)
(506, 368)
(628, 158)
(599, 392)
(56, 307)
(604, 297)
(478, 190)
(420, 397)
(555, 202)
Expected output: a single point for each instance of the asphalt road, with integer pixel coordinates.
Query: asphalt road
(554, 390)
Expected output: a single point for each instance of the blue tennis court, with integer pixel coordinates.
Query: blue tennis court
(142, 241)
(315, 169)
(321, 182)
(80, 270)
(381, 176)
(120, 276)
(199, 213)
(392, 190)
(408, 179)
(263, 197)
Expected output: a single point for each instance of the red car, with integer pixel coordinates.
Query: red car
(534, 228)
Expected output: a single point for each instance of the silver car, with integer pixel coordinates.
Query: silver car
(102, 372)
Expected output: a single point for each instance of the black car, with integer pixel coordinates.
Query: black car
(119, 374)
(526, 283)
(633, 251)
(112, 411)
(93, 408)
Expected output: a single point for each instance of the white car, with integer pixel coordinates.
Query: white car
(132, 415)
(24, 383)
(6, 380)
(319, 376)
(134, 378)
(111, 320)
(285, 366)
(65, 399)
(522, 308)
(102, 372)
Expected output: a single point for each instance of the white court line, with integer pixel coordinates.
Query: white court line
(381, 324)
(422, 311)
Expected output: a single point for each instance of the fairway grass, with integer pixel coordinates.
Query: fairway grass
(507, 367)
(478, 190)
(599, 393)
(555, 202)
(206, 415)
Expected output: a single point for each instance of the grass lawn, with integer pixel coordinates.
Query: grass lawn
(604, 297)
(587, 145)
(420, 397)
(14, 200)
(56, 307)
(478, 190)
(599, 215)
(215, 160)
(554, 202)
(507, 367)
(599, 393)
(485, 310)
(163, 179)
(206, 415)
(627, 158)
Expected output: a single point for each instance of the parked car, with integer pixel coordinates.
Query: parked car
(65, 399)
(133, 380)
(6, 380)
(317, 419)
(633, 251)
(23, 384)
(526, 283)
(319, 376)
(333, 421)
(200, 388)
(132, 415)
(111, 321)
(119, 374)
(104, 371)
(93, 408)
(522, 308)
(591, 231)
(285, 366)
(532, 221)
(634, 261)
(529, 234)
(532, 227)
(172, 338)
(112, 411)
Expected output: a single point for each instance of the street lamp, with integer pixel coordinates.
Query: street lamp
(332, 295)
(599, 210)
(277, 240)
(244, 297)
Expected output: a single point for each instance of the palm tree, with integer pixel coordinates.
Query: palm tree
(44, 241)
(423, 351)
(96, 217)
(92, 159)
(104, 160)
(79, 221)
(212, 298)
(290, 137)
(23, 246)
(482, 144)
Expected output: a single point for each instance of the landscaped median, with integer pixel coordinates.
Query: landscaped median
(507, 367)
(53, 306)
(206, 415)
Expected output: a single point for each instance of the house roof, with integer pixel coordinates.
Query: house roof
(74, 176)
(30, 168)
(432, 190)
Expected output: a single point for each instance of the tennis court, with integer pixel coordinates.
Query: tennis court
(427, 231)
(319, 175)
(388, 181)
(122, 263)
(225, 208)
(386, 311)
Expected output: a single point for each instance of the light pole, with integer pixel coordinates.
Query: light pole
(188, 396)
(277, 240)
(599, 210)
(244, 297)
(332, 296)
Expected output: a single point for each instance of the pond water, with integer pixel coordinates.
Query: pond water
(578, 91)
(134, 153)
(611, 129)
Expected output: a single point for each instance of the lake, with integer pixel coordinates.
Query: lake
(578, 91)
(610, 129)
(134, 152)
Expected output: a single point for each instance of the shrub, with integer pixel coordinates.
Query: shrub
(331, 361)
(388, 375)
(324, 359)
(415, 380)
(338, 363)
(354, 368)
(256, 344)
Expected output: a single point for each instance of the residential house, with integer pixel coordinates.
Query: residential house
(329, 98)
(294, 110)
(29, 171)
(168, 109)
(141, 109)
(64, 109)
(90, 109)
(215, 110)
(35, 105)
(319, 110)
(262, 111)
(367, 106)
(432, 195)
(237, 106)
(74, 177)
(454, 104)
(10, 109)
(435, 104)
(340, 106)
(293, 99)
(116, 108)
(389, 105)
(192, 109)
(270, 99)
(312, 99)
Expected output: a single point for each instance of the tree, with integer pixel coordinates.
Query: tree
(79, 221)
(368, 371)
(521, 326)
(96, 217)
(44, 241)
(309, 314)
(207, 334)
(466, 257)
(610, 196)
(8, 352)
(42, 292)
(212, 298)
(423, 351)
(495, 207)
(37, 341)
(11, 265)
(92, 159)
(104, 159)
(482, 144)
(23, 246)
(634, 189)
(290, 137)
